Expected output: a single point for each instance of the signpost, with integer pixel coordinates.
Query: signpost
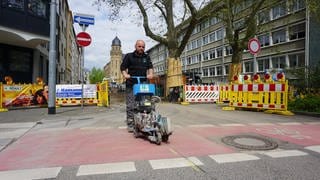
(83, 19)
(83, 39)
(254, 47)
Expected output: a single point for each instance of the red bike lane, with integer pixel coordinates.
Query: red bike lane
(72, 147)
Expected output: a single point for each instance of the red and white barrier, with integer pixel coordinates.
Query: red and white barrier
(201, 93)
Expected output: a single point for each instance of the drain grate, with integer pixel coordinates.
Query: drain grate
(250, 142)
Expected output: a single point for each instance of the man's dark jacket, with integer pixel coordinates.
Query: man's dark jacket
(136, 65)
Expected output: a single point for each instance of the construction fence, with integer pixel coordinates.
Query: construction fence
(36, 95)
(270, 95)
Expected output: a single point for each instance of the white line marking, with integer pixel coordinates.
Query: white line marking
(234, 157)
(95, 128)
(17, 125)
(13, 133)
(122, 127)
(285, 153)
(230, 125)
(201, 125)
(106, 168)
(174, 163)
(28, 174)
(312, 123)
(290, 123)
(313, 148)
(261, 124)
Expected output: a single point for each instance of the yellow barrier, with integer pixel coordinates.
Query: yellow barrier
(271, 97)
(103, 94)
(224, 93)
(1, 99)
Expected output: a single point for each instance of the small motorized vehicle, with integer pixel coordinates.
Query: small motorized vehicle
(148, 122)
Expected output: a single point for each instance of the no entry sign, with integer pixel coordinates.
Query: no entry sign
(83, 39)
(254, 46)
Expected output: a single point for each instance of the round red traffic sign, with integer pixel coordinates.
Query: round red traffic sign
(254, 46)
(83, 39)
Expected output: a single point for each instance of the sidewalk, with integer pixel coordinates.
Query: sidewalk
(38, 114)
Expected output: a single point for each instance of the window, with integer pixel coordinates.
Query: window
(263, 17)
(263, 64)
(206, 72)
(298, 5)
(219, 51)
(264, 40)
(279, 62)
(226, 67)
(219, 34)
(212, 71)
(279, 36)
(248, 66)
(205, 39)
(228, 50)
(37, 7)
(212, 53)
(219, 70)
(15, 4)
(279, 11)
(199, 42)
(205, 55)
(296, 60)
(297, 31)
(212, 37)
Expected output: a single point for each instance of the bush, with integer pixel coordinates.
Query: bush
(309, 103)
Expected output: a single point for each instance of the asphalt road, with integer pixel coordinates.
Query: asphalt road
(92, 143)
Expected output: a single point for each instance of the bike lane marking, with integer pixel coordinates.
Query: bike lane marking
(233, 157)
(107, 168)
(28, 174)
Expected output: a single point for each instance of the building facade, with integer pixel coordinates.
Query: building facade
(112, 69)
(287, 33)
(24, 41)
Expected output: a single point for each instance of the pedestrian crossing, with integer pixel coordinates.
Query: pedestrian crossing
(156, 164)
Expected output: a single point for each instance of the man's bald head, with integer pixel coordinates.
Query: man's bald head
(140, 46)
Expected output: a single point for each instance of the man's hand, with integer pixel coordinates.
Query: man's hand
(126, 76)
(149, 76)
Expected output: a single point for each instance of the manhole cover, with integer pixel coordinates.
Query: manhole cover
(250, 142)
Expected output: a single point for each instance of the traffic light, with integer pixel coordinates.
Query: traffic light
(197, 79)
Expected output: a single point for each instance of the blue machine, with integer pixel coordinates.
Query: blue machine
(147, 121)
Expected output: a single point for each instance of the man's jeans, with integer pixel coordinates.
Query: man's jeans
(130, 106)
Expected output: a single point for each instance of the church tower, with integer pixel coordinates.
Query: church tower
(115, 61)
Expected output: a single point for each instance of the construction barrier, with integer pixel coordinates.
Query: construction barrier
(224, 93)
(72, 94)
(270, 96)
(201, 93)
(103, 94)
(2, 109)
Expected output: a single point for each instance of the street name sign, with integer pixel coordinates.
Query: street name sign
(83, 19)
(83, 39)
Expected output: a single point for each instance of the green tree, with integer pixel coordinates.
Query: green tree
(161, 19)
(96, 75)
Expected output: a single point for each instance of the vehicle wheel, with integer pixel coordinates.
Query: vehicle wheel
(165, 138)
(135, 132)
(159, 138)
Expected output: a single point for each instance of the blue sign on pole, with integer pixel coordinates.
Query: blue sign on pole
(84, 19)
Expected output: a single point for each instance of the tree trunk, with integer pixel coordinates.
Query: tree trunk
(235, 68)
(174, 74)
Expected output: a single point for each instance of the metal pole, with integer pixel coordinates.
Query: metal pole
(52, 60)
(82, 76)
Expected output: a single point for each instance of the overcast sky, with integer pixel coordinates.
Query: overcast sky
(97, 54)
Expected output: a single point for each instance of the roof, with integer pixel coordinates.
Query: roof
(116, 41)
